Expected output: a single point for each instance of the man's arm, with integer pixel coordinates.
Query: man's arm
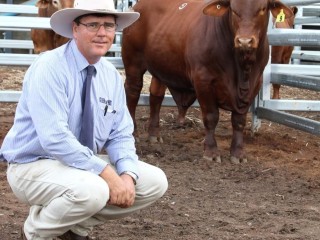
(121, 188)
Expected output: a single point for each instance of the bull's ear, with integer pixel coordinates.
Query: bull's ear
(294, 10)
(277, 8)
(216, 8)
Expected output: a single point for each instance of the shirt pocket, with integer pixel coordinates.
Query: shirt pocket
(103, 126)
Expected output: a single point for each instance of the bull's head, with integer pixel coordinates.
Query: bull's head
(48, 7)
(248, 18)
(55, 5)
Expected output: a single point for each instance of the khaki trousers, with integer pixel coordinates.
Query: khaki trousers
(64, 198)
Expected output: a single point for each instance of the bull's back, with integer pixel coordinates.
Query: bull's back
(158, 40)
(164, 16)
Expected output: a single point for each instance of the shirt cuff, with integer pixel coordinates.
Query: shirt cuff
(98, 166)
(127, 165)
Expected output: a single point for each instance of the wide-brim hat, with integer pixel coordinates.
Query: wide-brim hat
(61, 21)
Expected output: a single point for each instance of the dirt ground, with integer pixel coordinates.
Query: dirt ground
(276, 195)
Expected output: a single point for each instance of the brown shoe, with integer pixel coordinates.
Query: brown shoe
(23, 236)
(72, 236)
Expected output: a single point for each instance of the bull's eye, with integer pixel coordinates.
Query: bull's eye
(55, 3)
(262, 11)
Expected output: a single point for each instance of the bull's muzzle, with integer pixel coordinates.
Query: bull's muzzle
(245, 42)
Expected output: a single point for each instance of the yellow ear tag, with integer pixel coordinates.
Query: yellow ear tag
(281, 16)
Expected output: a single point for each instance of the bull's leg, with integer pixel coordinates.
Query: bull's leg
(236, 151)
(133, 87)
(276, 91)
(210, 116)
(157, 92)
(210, 121)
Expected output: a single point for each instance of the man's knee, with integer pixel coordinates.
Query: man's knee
(162, 183)
(91, 196)
(154, 184)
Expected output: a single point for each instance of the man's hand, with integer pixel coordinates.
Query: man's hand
(122, 189)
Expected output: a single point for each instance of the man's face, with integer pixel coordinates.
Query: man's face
(94, 40)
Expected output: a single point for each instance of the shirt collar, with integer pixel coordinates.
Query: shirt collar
(80, 60)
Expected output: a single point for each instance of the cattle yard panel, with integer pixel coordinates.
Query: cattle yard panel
(290, 120)
(28, 44)
(16, 59)
(298, 76)
(14, 9)
(299, 2)
(10, 96)
(294, 37)
(301, 76)
(298, 81)
(313, 56)
(123, 5)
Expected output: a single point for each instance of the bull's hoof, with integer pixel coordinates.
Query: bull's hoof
(236, 160)
(217, 159)
(153, 139)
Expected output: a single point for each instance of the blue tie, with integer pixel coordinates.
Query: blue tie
(86, 134)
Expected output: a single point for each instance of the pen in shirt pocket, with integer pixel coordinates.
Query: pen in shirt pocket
(106, 110)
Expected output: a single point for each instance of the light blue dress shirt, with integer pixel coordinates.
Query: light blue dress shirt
(49, 113)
